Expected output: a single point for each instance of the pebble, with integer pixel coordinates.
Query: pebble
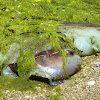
(98, 65)
(91, 83)
(27, 97)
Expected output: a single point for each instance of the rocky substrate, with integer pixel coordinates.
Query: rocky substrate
(85, 85)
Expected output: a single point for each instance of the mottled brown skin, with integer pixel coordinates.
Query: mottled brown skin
(53, 60)
(44, 53)
(49, 58)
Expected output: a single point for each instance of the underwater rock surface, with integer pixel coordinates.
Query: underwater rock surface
(50, 66)
(85, 36)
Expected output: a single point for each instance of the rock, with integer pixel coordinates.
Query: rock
(91, 83)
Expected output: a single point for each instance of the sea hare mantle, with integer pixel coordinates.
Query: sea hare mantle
(50, 66)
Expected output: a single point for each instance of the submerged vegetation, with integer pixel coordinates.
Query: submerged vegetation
(33, 24)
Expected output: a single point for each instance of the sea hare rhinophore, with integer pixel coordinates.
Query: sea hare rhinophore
(50, 66)
(86, 37)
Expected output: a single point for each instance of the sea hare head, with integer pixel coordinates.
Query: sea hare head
(50, 67)
(86, 37)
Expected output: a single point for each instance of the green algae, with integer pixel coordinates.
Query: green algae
(57, 94)
(39, 19)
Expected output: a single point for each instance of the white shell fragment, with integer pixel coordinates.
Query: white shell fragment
(91, 83)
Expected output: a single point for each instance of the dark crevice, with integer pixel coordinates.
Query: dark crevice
(39, 78)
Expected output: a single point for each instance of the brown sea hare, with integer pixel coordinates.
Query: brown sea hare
(50, 66)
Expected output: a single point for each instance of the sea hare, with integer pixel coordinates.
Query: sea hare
(85, 36)
(50, 66)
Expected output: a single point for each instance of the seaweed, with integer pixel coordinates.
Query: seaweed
(35, 22)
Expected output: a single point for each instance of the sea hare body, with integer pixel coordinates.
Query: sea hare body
(86, 37)
(50, 66)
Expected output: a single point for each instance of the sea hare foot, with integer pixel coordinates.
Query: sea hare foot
(50, 67)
